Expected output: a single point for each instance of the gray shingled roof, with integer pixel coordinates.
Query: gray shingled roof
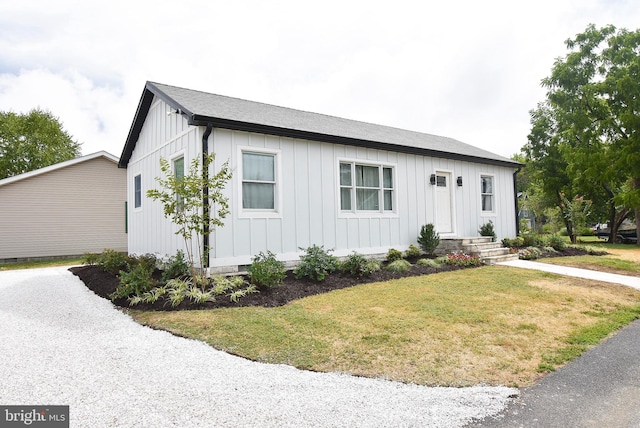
(203, 108)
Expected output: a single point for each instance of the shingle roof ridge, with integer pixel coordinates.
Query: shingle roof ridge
(309, 112)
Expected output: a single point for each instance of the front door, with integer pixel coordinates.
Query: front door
(443, 203)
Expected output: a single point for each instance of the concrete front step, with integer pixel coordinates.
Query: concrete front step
(491, 252)
(497, 259)
(482, 246)
(474, 240)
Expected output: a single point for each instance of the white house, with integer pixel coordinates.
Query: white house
(66, 209)
(303, 178)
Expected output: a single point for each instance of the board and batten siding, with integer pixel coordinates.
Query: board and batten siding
(65, 212)
(308, 187)
(308, 181)
(167, 135)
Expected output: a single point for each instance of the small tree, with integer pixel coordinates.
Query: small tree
(487, 230)
(575, 213)
(185, 203)
(429, 239)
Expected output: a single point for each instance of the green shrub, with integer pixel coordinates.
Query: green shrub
(316, 264)
(150, 261)
(359, 266)
(113, 261)
(266, 270)
(135, 282)
(556, 242)
(399, 266)
(513, 242)
(428, 239)
(412, 252)
(428, 262)
(175, 267)
(442, 260)
(393, 255)
(90, 259)
(487, 230)
(462, 259)
(531, 240)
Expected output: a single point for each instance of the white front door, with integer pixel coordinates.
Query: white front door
(443, 203)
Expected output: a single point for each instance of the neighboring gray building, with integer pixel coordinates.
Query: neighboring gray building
(303, 178)
(66, 209)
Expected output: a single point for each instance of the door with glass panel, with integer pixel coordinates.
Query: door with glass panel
(443, 203)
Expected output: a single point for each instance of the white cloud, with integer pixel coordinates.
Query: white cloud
(465, 69)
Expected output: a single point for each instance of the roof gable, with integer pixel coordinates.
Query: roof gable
(57, 166)
(201, 108)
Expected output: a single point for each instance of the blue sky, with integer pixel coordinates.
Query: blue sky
(465, 69)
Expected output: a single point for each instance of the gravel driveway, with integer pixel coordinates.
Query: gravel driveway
(60, 344)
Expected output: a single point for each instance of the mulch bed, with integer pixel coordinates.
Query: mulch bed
(103, 283)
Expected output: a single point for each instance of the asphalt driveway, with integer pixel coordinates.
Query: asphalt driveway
(599, 389)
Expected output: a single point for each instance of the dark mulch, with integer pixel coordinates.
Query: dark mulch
(103, 283)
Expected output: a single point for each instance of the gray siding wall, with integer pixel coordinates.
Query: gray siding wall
(68, 211)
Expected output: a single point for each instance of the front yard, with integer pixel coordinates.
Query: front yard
(493, 325)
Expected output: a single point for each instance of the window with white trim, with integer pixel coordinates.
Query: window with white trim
(258, 181)
(366, 188)
(178, 172)
(137, 191)
(487, 193)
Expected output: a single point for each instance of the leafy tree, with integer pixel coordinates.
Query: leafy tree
(32, 141)
(584, 140)
(184, 202)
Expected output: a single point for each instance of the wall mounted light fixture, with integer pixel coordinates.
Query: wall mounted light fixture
(460, 181)
(432, 180)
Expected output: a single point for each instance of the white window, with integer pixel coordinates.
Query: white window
(366, 188)
(487, 193)
(258, 181)
(137, 191)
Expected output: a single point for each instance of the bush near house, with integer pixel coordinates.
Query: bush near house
(462, 259)
(531, 246)
(316, 263)
(487, 230)
(359, 266)
(399, 266)
(412, 252)
(428, 239)
(266, 270)
(151, 283)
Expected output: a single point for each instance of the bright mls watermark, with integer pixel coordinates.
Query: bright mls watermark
(34, 416)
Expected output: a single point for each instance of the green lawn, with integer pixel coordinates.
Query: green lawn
(495, 325)
(40, 264)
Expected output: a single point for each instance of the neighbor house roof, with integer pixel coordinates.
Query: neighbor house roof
(201, 108)
(57, 166)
